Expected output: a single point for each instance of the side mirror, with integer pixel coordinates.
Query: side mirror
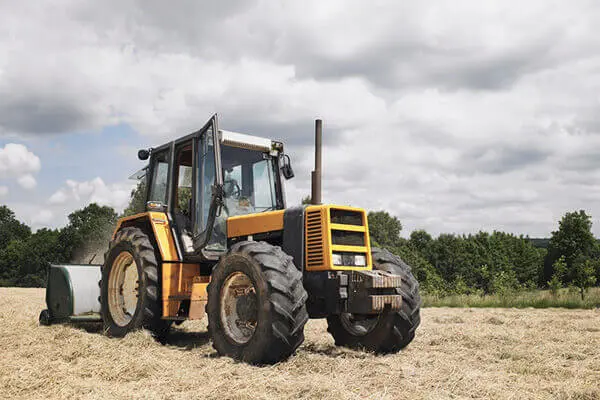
(143, 154)
(286, 168)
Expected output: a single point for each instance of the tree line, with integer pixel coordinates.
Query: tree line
(497, 262)
(482, 263)
(25, 256)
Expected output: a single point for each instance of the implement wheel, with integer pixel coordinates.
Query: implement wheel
(390, 331)
(45, 318)
(129, 289)
(256, 304)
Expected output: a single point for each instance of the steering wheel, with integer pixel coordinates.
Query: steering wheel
(232, 189)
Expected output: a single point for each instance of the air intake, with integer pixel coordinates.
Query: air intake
(314, 239)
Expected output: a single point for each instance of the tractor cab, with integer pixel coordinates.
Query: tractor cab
(203, 178)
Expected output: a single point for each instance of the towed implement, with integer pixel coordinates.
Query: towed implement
(217, 240)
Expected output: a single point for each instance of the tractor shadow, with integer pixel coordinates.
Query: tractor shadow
(333, 351)
(186, 340)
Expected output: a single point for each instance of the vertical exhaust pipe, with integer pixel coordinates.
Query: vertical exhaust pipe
(315, 197)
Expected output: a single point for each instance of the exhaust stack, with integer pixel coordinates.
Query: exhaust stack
(315, 197)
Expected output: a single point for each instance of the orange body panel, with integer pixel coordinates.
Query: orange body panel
(244, 225)
(162, 233)
(177, 277)
(199, 297)
(177, 285)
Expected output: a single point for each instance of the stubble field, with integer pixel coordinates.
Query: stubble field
(458, 353)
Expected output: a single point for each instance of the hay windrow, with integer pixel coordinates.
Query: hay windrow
(458, 353)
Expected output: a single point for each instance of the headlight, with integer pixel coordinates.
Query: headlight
(349, 260)
(360, 260)
(337, 259)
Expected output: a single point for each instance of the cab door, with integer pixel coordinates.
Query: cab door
(208, 182)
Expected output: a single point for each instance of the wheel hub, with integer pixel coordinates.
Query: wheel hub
(123, 286)
(239, 307)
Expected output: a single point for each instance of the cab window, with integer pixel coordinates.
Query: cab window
(160, 175)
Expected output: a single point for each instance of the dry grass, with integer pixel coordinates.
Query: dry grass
(458, 353)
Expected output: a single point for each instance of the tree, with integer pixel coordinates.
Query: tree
(306, 200)
(421, 240)
(88, 232)
(573, 239)
(137, 200)
(384, 228)
(11, 228)
(583, 274)
(556, 283)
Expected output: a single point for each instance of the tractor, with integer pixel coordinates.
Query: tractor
(217, 240)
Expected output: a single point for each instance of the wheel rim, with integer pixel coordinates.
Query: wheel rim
(358, 325)
(123, 285)
(239, 311)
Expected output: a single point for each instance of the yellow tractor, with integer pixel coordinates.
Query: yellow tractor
(216, 239)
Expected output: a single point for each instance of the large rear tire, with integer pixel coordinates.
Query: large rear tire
(256, 304)
(390, 331)
(129, 289)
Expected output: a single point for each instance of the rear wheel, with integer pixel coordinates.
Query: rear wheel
(256, 304)
(129, 289)
(390, 331)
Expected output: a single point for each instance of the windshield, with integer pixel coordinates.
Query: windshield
(249, 182)
(249, 186)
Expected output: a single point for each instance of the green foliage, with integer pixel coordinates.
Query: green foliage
(306, 200)
(556, 283)
(573, 239)
(88, 232)
(11, 228)
(137, 200)
(583, 274)
(26, 262)
(384, 228)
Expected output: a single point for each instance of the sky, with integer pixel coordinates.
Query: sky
(454, 116)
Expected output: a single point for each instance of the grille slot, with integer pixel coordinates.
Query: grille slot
(314, 239)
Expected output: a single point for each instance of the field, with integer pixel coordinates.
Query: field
(458, 353)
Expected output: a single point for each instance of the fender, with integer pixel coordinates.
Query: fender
(162, 232)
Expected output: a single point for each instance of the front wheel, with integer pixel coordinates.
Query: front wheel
(390, 331)
(129, 289)
(256, 304)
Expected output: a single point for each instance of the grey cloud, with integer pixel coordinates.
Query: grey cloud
(401, 65)
(499, 159)
(429, 168)
(35, 113)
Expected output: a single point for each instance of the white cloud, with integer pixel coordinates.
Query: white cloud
(78, 194)
(16, 161)
(59, 197)
(42, 217)
(455, 116)
(3, 191)
(27, 181)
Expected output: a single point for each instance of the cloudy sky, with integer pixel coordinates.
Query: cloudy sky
(455, 116)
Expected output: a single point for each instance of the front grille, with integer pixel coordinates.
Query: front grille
(348, 238)
(314, 239)
(346, 217)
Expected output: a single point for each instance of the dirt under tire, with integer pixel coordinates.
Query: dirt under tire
(130, 289)
(390, 331)
(256, 304)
